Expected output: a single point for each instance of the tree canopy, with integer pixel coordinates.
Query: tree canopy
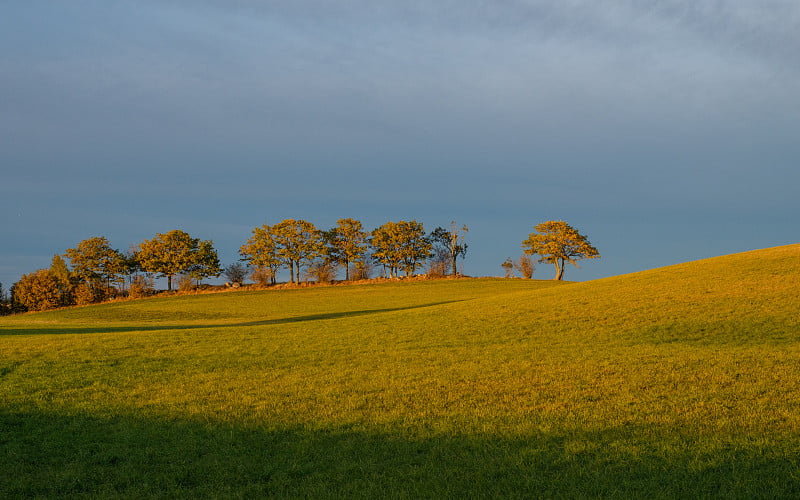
(400, 245)
(558, 243)
(298, 242)
(94, 262)
(177, 252)
(38, 291)
(261, 252)
(347, 243)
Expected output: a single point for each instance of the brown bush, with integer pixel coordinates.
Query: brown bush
(85, 294)
(142, 286)
(361, 271)
(38, 291)
(525, 266)
(263, 276)
(322, 271)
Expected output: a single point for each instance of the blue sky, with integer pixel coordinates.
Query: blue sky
(665, 131)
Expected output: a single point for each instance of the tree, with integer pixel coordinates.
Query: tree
(59, 269)
(261, 252)
(236, 272)
(347, 243)
(298, 242)
(400, 245)
(450, 242)
(558, 243)
(206, 262)
(5, 306)
(415, 247)
(177, 252)
(95, 263)
(38, 291)
(385, 243)
(131, 266)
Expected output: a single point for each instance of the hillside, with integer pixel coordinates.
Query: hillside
(666, 383)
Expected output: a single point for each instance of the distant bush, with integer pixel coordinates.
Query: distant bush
(85, 294)
(439, 263)
(236, 272)
(185, 283)
(508, 267)
(38, 291)
(361, 271)
(322, 271)
(263, 276)
(525, 266)
(438, 269)
(142, 286)
(5, 303)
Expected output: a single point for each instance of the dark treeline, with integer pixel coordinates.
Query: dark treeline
(93, 271)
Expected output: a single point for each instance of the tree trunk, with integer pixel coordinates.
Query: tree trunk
(346, 270)
(291, 271)
(454, 271)
(559, 269)
(169, 282)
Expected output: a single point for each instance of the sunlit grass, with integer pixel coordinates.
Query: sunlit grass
(673, 382)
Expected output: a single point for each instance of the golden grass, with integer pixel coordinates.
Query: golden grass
(636, 384)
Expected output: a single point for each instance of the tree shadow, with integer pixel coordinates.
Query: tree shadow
(121, 456)
(78, 330)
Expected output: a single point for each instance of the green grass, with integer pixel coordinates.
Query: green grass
(675, 382)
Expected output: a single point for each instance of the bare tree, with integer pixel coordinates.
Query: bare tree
(236, 272)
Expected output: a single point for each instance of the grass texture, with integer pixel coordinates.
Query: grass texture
(671, 383)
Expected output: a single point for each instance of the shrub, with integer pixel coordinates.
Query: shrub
(525, 266)
(38, 291)
(322, 271)
(186, 283)
(361, 271)
(438, 269)
(263, 276)
(236, 272)
(508, 267)
(142, 286)
(439, 264)
(85, 294)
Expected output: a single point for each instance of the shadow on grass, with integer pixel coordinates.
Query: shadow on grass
(68, 456)
(776, 330)
(76, 330)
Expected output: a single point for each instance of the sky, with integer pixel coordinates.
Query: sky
(665, 131)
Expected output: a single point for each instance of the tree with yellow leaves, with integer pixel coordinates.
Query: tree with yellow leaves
(558, 243)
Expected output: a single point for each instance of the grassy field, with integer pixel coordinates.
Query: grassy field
(671, 383)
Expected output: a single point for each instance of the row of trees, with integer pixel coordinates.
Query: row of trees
(396, 246)
(96, 271)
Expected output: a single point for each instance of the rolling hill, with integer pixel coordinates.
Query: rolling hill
(679, 381)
